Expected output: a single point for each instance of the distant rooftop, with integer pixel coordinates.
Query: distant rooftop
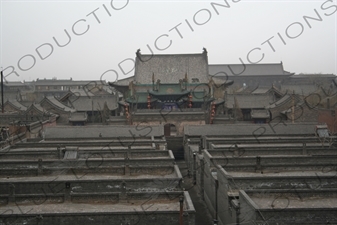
(68, 82)
(55, 81)
(247, 69)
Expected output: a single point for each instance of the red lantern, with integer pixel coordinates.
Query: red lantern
(126, 111)
(190, 101)
(149, 102)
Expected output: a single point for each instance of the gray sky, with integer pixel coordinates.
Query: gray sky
(304, 45)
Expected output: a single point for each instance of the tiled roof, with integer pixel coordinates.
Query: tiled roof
(14, 103)
(122, 82)
(249, 101)
(26, 103)
(14, 83)
(84, 103)
(140, 97)
(74, 93)
(260, 114)
(219, 81)
(37, 108)
(171, 68)
(104, 131)
(78, 117)
(261, 90)
(245, 90)
(247, 69)
(308, 76)
(56, 103)
(284, 100)
(267, 90)
(69, 82)
(304, 89)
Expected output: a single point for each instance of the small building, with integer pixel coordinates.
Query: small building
(251, 75)
(260, 116)
(240, 106)
(97, 108)
(78, 118)
(54, 106)
(14, 106)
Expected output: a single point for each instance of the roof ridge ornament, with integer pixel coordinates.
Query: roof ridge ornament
(204, 50)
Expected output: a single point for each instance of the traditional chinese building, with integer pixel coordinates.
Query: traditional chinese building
(174, 90)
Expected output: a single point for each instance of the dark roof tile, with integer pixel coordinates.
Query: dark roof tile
(171, 68)
(247, 69)
(104, 131)
(249, 101)
(96, 103)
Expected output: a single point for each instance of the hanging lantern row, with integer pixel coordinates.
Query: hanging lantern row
(190, 101)
(149, 102)
(127, 111)
(212, 112)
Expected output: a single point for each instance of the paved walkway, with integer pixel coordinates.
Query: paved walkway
(203, 217)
